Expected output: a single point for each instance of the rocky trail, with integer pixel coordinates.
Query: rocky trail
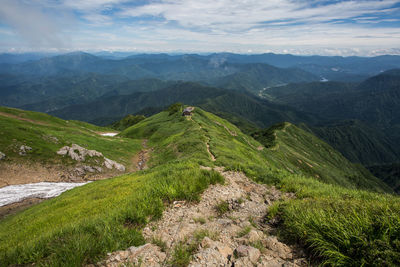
(140, 160)
(227, 227)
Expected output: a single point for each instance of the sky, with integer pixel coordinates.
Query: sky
(303, 27)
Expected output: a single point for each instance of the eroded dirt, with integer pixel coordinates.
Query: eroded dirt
(18, 206)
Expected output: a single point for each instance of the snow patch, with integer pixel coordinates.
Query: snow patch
(15, 193)
(108, 134)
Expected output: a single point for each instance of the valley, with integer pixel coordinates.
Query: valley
(271, 166)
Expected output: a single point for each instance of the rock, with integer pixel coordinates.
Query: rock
(282, 250)
(206, 242)
(2, 155)
(88, 168)
(97, 168)
(110, 164)
(78, 153)
(23, 149)
(241, 251)
(209, 257)
(254, 236)
(146, 255)
(246, 251)
(224, 250)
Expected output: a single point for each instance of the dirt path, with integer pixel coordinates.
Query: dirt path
(140, 159)
(8, 115)
(209, 151)
(228, 227)
(233, 133)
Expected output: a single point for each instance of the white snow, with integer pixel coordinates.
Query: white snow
(109, 134)
(15, 193)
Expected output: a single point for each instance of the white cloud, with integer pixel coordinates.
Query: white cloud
(309, 27)
(237, 15)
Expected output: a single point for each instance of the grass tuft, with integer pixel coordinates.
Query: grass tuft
(222, 207)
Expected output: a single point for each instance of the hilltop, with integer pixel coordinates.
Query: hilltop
(323, 207)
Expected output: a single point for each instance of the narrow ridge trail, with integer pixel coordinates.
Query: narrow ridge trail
(227, 227)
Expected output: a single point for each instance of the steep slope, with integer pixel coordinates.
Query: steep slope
(388, 173)
(373, 102)
(301, 152)
(358, 142)
(110, 215)
(31, 140)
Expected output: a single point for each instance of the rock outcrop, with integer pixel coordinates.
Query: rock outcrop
(80, 154)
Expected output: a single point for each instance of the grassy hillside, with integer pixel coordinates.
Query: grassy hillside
(83, 224)
(358, 142)
(299, 150)
(388, 173)
(46, 135)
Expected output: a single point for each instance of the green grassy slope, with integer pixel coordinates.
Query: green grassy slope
(47, 134)
(83, 224)
(358, 142)
(301, 152)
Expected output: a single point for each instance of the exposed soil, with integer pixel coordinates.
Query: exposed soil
(240, 236)
(140, 159)
(23, 173)
(18, 206)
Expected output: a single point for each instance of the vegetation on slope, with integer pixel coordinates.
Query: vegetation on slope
(301, 152)
(388, 173)
(46, 135)
(358, 142)
(85, 223)
(330, 220)
(339, 226)
(127, 121)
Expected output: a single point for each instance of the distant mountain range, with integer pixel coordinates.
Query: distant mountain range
(350, 102)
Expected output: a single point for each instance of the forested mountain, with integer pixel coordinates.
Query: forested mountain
(359, 118)
(219, 101)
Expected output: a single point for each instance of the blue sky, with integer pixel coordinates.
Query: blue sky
(364, 28)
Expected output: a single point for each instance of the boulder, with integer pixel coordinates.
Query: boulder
(2, 155)
(254, 236)
(109, 164)
(282, 250)
(246, 251)
(23, 149)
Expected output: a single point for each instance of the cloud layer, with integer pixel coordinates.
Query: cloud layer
(365, 27)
